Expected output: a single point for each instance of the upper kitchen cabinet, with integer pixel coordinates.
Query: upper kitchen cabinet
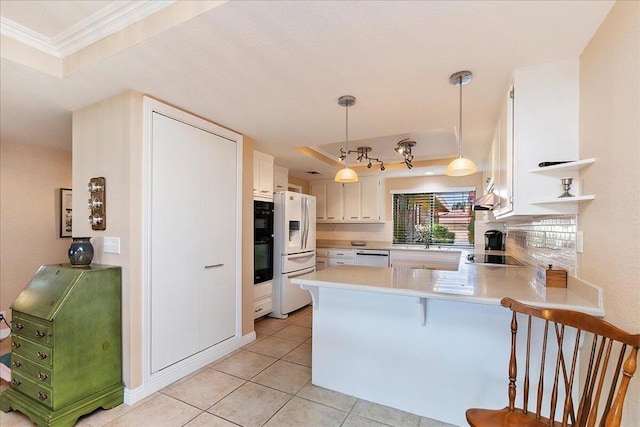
(328, 196)
(538, 123)
(262, 176)
(359, 202)
(280, 178)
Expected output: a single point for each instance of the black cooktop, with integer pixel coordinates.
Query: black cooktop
(492, 259)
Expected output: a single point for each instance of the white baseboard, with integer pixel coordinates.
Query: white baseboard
(173, 373)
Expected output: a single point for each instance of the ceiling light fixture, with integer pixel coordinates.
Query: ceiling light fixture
(404, 148)
(346, 174)
(363, 154)
(460, 166)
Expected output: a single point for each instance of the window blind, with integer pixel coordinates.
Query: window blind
(443, 218)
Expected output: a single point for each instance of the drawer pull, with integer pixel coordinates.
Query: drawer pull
(16, 364)
(42, 396)
(15, 382)
(15, 344)
(42, 376)
(40, 334)
(41, 355)
(19, 326)
(258, 309)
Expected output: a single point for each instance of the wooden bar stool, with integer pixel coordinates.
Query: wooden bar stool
(606, 376)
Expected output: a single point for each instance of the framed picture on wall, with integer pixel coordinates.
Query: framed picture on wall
(65, 212)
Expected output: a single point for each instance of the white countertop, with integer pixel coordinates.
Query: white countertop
(480, 284)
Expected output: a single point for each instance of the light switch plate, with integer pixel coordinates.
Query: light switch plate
(111, 245)
(580, 242)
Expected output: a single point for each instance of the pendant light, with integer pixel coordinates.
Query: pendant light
(460, 166)
(346, 174)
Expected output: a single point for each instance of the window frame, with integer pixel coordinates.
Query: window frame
(433, 192)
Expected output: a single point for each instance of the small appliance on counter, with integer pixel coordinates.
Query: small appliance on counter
(494, 240)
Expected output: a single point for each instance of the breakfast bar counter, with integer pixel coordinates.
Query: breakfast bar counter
(429, 342)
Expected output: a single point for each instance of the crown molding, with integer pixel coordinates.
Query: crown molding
(26, 36)
(106, 21)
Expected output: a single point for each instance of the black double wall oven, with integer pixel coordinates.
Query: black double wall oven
(262, 241)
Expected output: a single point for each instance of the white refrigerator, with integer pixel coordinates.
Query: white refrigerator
(295, 249)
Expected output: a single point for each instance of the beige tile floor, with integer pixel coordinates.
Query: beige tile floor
(265, 383)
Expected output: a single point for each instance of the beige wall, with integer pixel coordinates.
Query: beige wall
(301, 182)
(610, 132)
(428, 183)
(30, 179)
(108, 142)
(247, 235)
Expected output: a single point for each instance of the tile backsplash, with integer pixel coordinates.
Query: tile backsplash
(546, 240)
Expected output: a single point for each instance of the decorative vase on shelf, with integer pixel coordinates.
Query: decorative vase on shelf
(81, 252)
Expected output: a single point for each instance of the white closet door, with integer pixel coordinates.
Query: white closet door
(217, 293)
(176, 266)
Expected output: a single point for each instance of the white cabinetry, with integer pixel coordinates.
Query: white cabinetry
(333, 202)
(319, 190)
(280, 178)
(328, 200)
(362, 201)
(341, 257)
(262, 176)
(351, 200)
(193, 245)
(425, 259)
(321, 259)
(263, 303)
(541, 125)
(371, 199)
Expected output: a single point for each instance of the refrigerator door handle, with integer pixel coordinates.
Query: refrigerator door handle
(306, 221)
(301, 255)
(303, 222)
(301, 273)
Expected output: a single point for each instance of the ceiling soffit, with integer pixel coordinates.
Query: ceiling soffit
(91, 40)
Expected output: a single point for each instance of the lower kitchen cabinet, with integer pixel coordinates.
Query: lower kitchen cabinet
(67, 344)
(425, 259)
(263, 304)
(340, 257)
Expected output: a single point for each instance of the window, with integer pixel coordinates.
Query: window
(440, 218)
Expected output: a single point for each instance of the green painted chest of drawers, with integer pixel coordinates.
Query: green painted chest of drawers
(66, 348)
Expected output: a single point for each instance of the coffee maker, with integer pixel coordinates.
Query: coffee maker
(494, 240)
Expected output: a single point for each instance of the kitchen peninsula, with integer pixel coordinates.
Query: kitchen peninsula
(429, 342)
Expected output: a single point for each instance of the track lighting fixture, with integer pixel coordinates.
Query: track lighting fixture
(363, 154)
(404, 149)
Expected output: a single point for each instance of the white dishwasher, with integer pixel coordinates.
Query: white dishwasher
(372, 257)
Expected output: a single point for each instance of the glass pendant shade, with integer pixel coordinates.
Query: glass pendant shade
(346, 175)
(461, 167)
